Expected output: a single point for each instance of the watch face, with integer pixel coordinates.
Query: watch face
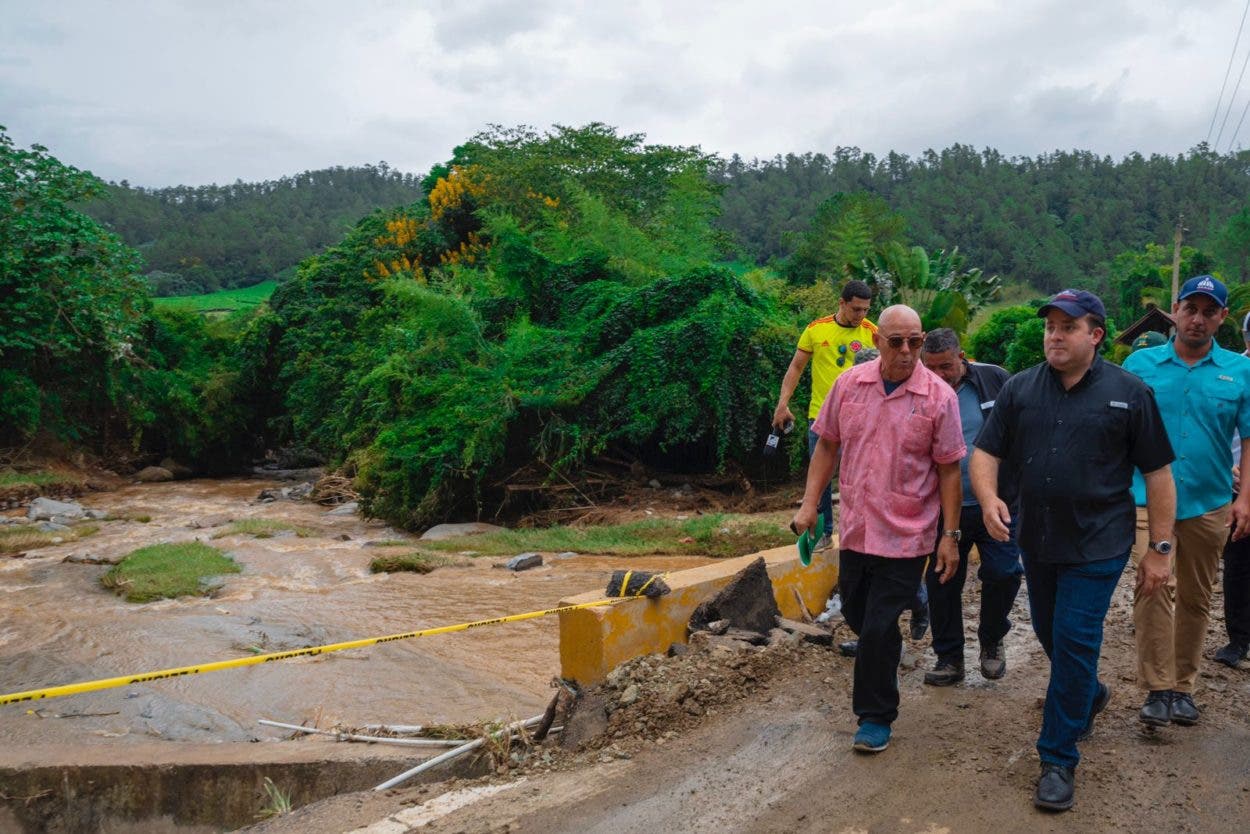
(1163, 547)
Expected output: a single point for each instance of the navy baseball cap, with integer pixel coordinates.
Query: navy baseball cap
(1075, 303)
(1207, 285)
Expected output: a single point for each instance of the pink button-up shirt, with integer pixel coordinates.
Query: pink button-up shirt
(891, 447)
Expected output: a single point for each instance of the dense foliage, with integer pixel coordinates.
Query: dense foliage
(211, 237)
(553, 300)
(541, 299)
(1052, 221)
(82, 355)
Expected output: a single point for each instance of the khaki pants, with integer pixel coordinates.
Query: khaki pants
(1171, 623)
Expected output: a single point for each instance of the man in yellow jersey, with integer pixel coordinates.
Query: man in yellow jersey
(830, 344)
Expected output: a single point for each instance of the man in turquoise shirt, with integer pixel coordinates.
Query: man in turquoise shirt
(1203, 392)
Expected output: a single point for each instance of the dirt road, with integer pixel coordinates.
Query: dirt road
(962, 759)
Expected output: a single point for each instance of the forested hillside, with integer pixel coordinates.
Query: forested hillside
(553, 299)
(1052, 221)
(211, 237)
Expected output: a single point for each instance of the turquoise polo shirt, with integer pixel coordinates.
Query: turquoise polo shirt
(1202, 405)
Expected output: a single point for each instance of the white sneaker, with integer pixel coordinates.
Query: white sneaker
(826, 542)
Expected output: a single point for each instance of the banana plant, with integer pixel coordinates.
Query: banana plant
(937, 286)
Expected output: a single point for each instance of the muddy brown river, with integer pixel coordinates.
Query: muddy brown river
(58, 626)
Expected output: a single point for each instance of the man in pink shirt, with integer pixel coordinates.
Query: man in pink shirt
(897, 426)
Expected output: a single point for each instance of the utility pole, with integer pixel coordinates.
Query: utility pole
(1176, 259)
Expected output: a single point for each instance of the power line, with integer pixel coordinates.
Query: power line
(1233, 97)
(1244, 110)
(1227, 70)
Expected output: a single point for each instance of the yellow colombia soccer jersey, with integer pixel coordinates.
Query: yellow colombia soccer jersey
(833, 348)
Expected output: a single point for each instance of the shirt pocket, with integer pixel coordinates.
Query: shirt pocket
(1222, 397)
(917, 434)
(1105, 431)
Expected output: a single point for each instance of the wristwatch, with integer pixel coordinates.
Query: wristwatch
(1164, 547)
(955, 534)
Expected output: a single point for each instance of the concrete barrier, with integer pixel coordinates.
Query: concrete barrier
(594, 641)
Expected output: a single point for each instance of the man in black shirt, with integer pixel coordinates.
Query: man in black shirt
(1070, 431)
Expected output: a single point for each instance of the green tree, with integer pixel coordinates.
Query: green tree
(1232, 246)
(846, 230)
(70, 300)
(991, 341)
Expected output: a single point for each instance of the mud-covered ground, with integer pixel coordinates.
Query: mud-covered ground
(720, 742)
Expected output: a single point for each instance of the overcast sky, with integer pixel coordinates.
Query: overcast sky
(162, 93)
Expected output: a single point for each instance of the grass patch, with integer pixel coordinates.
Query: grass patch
(15, 538)
(263, 528)
(279, 801)
(224, 301)
(142, 518)
(12, 479)
(414, 562)
(718, 535)
(166, 571)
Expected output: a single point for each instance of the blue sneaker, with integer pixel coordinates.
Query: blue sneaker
(871, 737)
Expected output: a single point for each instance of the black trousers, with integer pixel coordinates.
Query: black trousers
(1237, 590)
(1000, 573)
(875, 591)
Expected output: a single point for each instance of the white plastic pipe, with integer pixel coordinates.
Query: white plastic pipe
(452, 754)
(406, 742)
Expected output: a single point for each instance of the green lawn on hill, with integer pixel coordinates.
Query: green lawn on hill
(222, 301)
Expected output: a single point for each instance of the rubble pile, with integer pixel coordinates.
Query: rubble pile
(738, 641)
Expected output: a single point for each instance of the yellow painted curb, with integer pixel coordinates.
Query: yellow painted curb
(594, 641)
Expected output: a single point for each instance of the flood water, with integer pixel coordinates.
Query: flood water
(58, 626)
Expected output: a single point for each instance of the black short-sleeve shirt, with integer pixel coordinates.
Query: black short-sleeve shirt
(1072, 454)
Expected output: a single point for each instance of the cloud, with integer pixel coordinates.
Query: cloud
(171, 92)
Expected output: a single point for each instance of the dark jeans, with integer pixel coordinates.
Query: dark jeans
(875, 591)
(1069, 604)
(825, 507)
(1000, 574)
(1237, 590)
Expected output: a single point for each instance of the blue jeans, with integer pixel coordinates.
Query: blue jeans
(825, 508)
(1000, 574)
(1069, 604)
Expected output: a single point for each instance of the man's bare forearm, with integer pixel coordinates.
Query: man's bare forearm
(1160, 503)
(1243, 481)
(983, 473)
(951, 493)
(820, 470)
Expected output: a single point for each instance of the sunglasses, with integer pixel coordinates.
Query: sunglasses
(842, 357)
(913, 342)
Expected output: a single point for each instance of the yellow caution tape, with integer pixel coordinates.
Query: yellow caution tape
(126, 680)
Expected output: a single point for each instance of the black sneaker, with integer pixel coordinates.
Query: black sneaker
(919, 623)
(1232, 654)
(1183, 710)
(1157, 711)
(1100, 703)
(1056, 788)
(947, 672)
(993, 661)
(849, 649)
